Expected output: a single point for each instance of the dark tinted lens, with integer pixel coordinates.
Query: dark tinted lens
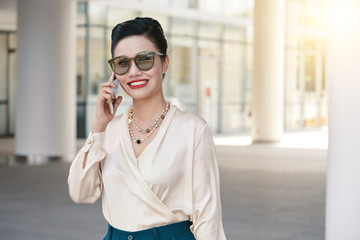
(144, 61)
(121, 65)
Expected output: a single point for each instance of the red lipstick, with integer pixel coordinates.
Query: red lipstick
(139, 83)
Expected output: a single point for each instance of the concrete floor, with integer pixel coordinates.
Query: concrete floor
(268, 193)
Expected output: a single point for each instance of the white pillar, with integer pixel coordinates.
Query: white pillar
(267, 90)
(46, 92)
(343, 176)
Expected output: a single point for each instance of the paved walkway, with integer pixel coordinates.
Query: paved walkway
(269, 192)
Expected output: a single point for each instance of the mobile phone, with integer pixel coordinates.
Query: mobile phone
(117, 84)
(115, 92)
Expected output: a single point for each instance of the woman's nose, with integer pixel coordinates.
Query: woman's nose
(133, 69)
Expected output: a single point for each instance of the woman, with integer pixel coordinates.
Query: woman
(154, 165)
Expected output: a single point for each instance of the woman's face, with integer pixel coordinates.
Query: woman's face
(138, 84)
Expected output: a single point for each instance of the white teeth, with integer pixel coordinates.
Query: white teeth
(137, 83)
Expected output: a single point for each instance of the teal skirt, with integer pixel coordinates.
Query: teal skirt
(175, 231)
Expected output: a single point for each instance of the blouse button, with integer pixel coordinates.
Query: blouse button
(130, 237)
(89, 141)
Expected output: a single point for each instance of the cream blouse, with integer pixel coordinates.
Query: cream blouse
(175, 178)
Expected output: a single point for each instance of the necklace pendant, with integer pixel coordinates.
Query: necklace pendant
(151, 128)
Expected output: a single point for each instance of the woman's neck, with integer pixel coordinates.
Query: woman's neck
(146, 110)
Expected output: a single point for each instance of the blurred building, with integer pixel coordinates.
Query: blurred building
(211, 52)
(243, 65)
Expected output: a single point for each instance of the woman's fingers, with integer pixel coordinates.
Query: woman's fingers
(109, 91)
(111, 101)
(108, 100)
(117, 102)
(107, 95)
(111, 107)
(109, 84)
(112, 77)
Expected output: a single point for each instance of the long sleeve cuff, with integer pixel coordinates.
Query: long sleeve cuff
(85, 181)
(94, 141)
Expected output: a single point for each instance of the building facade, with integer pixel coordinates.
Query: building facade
(211, 61)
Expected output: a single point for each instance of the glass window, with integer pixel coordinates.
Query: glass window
(3, 83)
(12, 81)
(232, 33)
(323, 75)
(210, 30)
(293, 116)
(235, 81)
(211, 6)
(181, 82)
(3, 117)
(3, 67)
(238, 8)
(81, 84)
(232, 81)
(8, 82)
(97, 59)
(293, 74)
(315, 16)
(291, 40)
(81, 63)
(248, 73)
(116, 15)
(162, 3)
(209, 48)
(97, 13)
(293, 13)
(185, 4)
(209, 63)
(323, 109)
(305, 79)
(233, 117)
(310, 43)
(81, 13)
(233, 71)
(181, 26)
(310, 73)
(108, 55)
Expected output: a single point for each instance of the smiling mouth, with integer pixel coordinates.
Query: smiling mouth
(138, 84)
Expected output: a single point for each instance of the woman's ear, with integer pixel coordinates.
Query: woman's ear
(165, 64)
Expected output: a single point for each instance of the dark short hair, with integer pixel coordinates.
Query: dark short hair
(147, 26)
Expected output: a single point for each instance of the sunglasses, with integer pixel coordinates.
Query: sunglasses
(143, 61)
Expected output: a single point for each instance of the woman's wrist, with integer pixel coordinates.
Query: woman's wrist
(98, 127)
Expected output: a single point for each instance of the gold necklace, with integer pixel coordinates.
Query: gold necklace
(148, 131)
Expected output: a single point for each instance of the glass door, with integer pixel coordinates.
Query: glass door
(306, 104)
(209, 90)
(7, 83)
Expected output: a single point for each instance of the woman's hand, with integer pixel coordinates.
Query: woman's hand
(106, 105)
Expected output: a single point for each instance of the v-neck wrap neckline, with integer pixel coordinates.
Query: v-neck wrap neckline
(126, 140)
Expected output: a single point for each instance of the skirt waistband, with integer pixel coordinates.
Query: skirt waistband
(156, 233)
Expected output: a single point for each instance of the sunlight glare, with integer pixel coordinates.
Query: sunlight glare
(341, 16)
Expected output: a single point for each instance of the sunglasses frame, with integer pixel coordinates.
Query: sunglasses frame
(112, 61)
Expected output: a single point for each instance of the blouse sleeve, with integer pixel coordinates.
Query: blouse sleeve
(85, 181)
(207, 216)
